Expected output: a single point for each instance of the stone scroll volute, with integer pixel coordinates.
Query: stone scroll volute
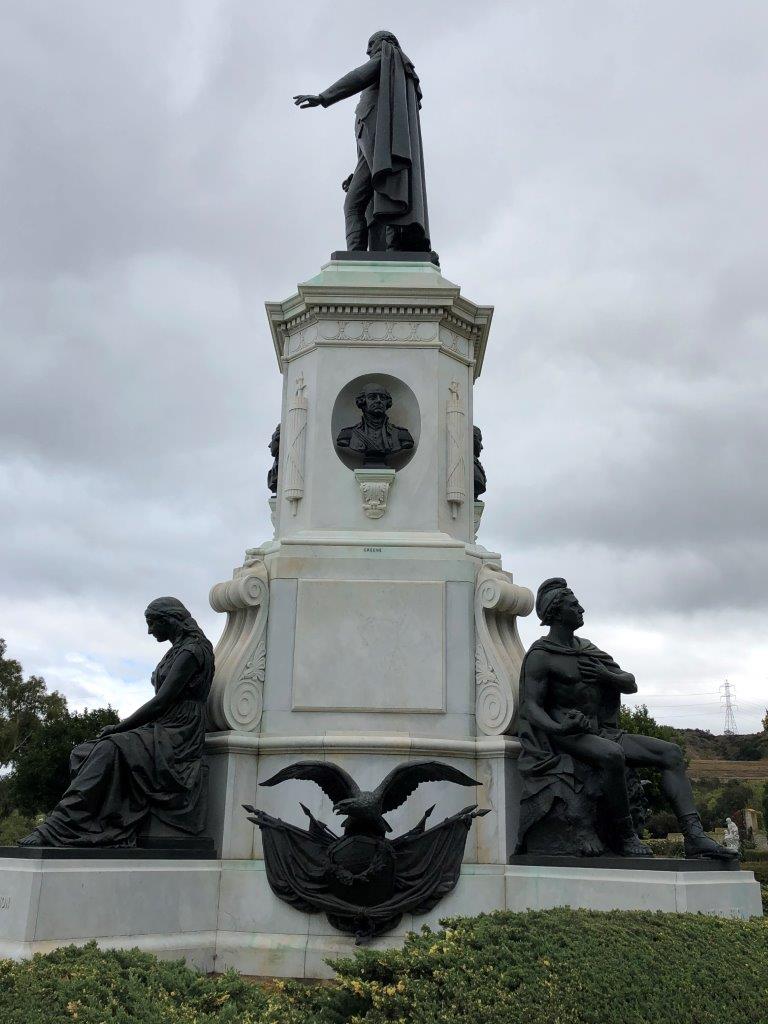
(236, 697)
(498, 649)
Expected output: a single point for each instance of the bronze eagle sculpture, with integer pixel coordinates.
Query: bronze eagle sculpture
(365, 810)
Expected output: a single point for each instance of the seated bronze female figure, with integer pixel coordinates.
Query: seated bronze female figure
(152, 761)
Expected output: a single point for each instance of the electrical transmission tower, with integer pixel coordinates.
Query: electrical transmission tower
(726, 699)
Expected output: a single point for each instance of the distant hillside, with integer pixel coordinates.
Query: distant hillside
(702, 745)
(715, 768)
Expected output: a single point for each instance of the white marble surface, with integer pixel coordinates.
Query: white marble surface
(720, 893)
(369, 645)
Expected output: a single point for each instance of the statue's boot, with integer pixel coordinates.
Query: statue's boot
(631, 843)
(698, 844)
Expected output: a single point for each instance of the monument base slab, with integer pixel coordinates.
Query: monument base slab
(221, 914)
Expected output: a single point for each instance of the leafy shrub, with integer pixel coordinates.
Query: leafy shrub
(660, 823)
(544, 967)
(90, 986)
(760, 869)
(666, 847)
(568, 967)
(14, 827)
(758, 856)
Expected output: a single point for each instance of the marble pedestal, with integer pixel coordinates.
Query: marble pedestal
(372, 629)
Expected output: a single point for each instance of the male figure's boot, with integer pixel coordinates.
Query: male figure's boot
(630, 843)
(698, 844)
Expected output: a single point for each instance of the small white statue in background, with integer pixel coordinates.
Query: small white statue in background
(731, 839)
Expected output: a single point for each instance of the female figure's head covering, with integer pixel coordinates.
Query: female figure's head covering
(172, 608)
(190, 636)
(548, 598)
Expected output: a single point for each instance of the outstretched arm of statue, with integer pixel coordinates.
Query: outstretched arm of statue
(357, 80)
(572, 722)
(595, 671)
(166, 696)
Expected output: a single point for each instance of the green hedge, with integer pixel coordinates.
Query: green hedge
(578, 967)
(88, 986)
(760, 869)
(548, 967)
(666, 847)
(755, 856)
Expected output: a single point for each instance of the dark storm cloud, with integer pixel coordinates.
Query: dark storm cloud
(595, 170)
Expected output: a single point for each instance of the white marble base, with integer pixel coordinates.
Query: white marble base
(719, 893)
(220, 914)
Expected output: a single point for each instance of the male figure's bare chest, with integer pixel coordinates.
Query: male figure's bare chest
(566, 688)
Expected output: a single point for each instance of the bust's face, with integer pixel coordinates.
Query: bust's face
(570, 612)
(375, 401)
(478, 442)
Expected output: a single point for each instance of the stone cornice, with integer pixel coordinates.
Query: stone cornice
(376, 293)
(360, 743)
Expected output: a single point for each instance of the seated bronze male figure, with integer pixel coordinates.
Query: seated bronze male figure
(575, 757)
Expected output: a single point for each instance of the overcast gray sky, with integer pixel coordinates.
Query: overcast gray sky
(595, 170)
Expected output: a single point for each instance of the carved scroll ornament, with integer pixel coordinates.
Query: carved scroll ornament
(498, 649)
(236, 697)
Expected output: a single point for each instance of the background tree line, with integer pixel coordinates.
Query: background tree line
(37, 734)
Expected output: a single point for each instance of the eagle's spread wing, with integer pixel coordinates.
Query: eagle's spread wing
(334, 781)
(403, 780)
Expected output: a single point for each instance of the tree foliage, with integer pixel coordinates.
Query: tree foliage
(639, 722)
(37, 734)
(41, 772)
(25, 707)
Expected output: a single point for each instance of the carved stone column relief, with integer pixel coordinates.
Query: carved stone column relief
(236, 697)
(498, 649)
(296, 417)
(456, 472)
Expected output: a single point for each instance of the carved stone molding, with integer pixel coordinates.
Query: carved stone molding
(236, 697)
(378, 332)
(498, 649)
(456, 437)
(374, 490)
(293, 488)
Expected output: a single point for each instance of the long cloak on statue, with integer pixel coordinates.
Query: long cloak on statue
(548, 774)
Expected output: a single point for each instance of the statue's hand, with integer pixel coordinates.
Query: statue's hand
(108, 730)
(574, 723)
(346, 183)
(304, 102)
(594, 671)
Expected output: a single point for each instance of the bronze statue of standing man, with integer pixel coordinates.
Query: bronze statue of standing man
(386, 203)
